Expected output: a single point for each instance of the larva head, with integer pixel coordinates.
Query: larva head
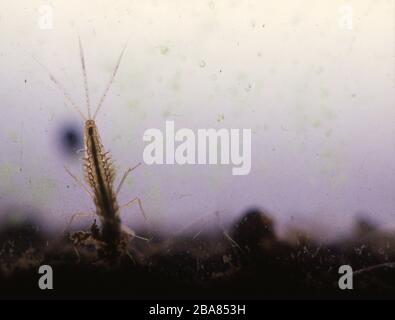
(90, 128)
(91, 135)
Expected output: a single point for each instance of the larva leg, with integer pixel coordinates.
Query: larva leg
(78, 215)
(131, 233)
(124, 177)
(81, 151)
(129, 203)
(79, 182)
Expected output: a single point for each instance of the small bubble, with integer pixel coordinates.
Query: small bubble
(164, 50)
(202, 63)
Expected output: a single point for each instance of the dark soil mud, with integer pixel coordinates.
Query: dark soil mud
(247, 261)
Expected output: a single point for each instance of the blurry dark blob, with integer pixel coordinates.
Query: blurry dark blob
(252, 229)
(364, 226)
(70, 139)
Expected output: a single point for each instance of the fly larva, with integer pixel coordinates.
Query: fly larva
(99, 171)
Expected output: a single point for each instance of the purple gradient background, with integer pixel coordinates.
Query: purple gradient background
(318, 97)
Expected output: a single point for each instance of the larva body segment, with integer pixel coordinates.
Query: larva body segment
(100, 175)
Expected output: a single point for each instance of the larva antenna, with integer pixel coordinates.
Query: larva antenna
(110, 82)
(88, 105)
(62, 89)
